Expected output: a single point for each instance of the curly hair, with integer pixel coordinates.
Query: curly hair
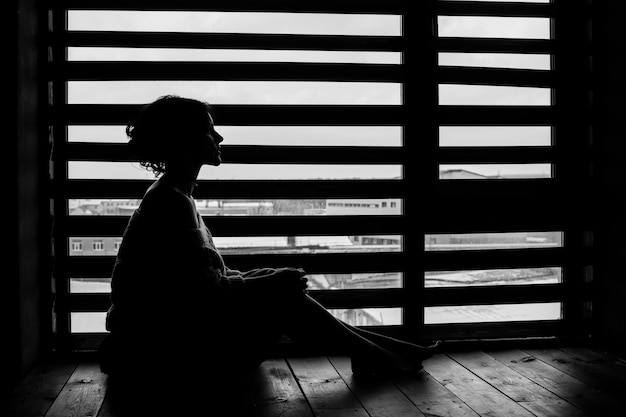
(164, 129)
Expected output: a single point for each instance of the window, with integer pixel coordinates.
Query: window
(77, 246)
(415, 164)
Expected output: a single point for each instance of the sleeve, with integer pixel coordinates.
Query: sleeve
(211, 264)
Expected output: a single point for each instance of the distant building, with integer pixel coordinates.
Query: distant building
(363, 206)
(92, 207)
(234, 207)
(94, 246)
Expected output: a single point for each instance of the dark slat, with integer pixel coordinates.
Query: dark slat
(488, 331)
(38, 390)
(496, 214)
(82, 395)
(528, 394)
(100, 302)
(496, 45)
(503, 294)
(249, 115)
(496, 76)
(101, 266)
(321, 263)
(231, 41)
(380, 397)
(481, 8)
(497, 197)
(496, 155)
(238, 154)
(276, 392)
(320, 6)
(536, 188)
(230, 71)
(452, 296)
(444, 192)
(495, 259)
(383, 298)
(311, 115)
(501, 45)
(452, 115)
(573, 390)
(324, 388)
(481, 218)
(529, 188)
(314, 155)
(233, 189)
(475, 392)
(116, 152)
(255, 225)
(371, 298)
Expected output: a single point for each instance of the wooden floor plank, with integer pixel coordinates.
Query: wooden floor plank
(587, 398)
(276, 392)
(83, 394)
(611, 367)
(379, 396)
(432, 398)
(609, 353)
(533, 397)
(590, 375)
(471, 389)
(327, 393)
(567, 382)
(37, 392)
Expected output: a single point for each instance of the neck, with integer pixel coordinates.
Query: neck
(185, 183)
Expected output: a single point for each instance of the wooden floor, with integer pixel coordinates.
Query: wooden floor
(561, 382)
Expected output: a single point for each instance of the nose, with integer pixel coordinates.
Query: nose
(218, 138)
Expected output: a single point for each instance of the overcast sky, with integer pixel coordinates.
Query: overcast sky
(220, 92)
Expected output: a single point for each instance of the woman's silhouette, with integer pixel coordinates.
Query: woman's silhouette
(175, 305)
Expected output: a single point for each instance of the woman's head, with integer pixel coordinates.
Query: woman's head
(171, 130)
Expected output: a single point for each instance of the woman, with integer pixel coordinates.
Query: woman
(176, 305)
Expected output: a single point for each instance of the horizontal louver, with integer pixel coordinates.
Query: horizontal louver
(470, 215)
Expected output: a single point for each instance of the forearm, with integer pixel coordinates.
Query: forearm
(271, 277)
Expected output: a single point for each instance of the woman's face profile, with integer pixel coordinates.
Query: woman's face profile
(211, 143)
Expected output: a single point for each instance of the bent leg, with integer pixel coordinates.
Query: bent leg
(315, 326)
(398, 346)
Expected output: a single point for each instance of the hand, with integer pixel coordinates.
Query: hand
(292, 277)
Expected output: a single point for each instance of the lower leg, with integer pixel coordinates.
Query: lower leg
(403, 348)
(314, 325)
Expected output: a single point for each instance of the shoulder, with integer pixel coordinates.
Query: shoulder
(170, 206)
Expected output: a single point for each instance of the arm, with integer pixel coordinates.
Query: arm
(279, 278)
(178, 211)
